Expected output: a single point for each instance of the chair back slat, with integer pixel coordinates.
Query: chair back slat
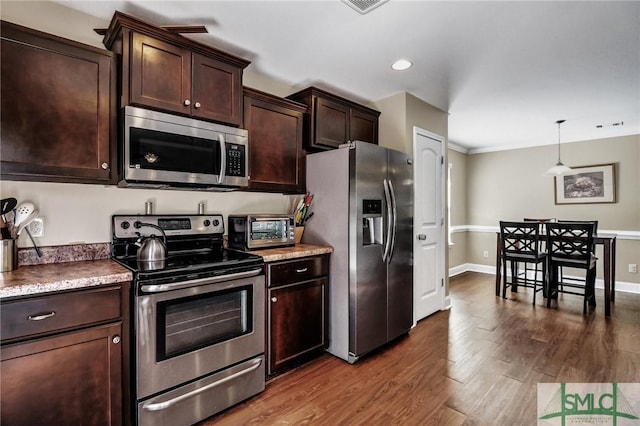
(521, 238)
(572, 242)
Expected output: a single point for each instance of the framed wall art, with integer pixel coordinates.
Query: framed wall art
(587, 185)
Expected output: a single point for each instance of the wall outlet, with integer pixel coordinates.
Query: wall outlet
(633, 268)
(485, 254)
(37, 227)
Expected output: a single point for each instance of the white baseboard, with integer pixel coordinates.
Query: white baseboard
(621, 286)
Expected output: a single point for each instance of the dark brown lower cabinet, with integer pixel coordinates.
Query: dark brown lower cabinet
(70, 379)
(297, 312)
(62, 360)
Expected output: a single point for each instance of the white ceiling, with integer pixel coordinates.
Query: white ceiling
(505, 71)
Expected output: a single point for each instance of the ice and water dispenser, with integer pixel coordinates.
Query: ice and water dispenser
(372, 222)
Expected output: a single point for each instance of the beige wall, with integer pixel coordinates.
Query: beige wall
(458, 251)
(509, 185)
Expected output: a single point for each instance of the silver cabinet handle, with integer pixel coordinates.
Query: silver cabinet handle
(40, 317)
(299, 271)
(166, 404)
(197, 105)
(274, 299)
(104, 166)
(116, 339)
(422, 237)
(187, 102)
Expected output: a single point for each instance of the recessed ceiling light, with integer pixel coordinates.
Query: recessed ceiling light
(401, 64)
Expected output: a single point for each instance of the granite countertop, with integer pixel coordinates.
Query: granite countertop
(293, 252)
(32, 279)
(35, 279)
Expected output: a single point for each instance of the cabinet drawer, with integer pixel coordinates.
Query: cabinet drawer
(45, 314)
(279, 273)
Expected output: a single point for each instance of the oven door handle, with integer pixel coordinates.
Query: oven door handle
(166, 404)
(158, 288)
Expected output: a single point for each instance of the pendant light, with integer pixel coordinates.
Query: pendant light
(559, 168)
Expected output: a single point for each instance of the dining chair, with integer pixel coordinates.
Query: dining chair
(521, 244)
(571, 245)
(542, 222)
(564, 277)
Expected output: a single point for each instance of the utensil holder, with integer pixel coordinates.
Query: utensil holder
(8, 255)
(298, 235)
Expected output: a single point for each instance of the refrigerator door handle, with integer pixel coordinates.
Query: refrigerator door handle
(395, 221)
(387, 237)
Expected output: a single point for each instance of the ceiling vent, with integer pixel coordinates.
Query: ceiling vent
(364, 6)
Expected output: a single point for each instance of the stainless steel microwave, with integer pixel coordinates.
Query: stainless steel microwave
(256, 231)
(164, 150)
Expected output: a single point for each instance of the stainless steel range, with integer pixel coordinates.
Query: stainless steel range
(198, 318)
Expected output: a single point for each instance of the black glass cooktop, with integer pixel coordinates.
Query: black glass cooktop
(215, 261)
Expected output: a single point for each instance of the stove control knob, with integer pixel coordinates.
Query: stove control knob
(125, 225)
(216, 222)
(207, 222)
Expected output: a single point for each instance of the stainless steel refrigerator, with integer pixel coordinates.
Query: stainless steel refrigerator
(363, 208)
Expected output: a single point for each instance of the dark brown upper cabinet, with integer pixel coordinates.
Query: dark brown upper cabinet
(164, 71)
(276, 155)
(58, 116)
(333, 120)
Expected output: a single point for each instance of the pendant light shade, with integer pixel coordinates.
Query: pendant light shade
(559, 168)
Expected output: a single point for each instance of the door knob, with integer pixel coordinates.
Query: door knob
(422, 237)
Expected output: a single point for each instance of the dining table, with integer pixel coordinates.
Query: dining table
(608, 242)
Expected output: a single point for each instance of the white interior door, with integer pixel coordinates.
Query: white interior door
(428, 223)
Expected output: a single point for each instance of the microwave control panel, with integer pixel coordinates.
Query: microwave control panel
(236, 160)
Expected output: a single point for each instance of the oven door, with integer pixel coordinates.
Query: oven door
(189, 329)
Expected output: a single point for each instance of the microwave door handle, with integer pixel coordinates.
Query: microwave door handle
(223, 158)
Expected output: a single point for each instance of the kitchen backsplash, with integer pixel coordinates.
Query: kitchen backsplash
(61, 254)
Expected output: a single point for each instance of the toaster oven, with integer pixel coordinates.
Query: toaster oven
(257, 231)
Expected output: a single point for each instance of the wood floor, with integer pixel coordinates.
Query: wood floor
(475, 364)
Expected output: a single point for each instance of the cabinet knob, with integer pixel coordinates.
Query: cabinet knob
(274, 299)
(197, 105)
(301, 270)
(105, 166)
(116, 339)
(187, 102)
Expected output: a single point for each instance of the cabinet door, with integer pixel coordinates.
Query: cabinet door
(56, 102)
(276, 157)
(160, 75)
(71, 379)
(217, 90)
(363, 126)
(297, 323)
(331, 124)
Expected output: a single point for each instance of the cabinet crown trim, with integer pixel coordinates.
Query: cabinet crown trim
(122, 20)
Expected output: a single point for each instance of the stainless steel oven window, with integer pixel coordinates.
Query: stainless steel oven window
(191, 323)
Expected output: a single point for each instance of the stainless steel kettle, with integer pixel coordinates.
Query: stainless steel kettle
(152, 251)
